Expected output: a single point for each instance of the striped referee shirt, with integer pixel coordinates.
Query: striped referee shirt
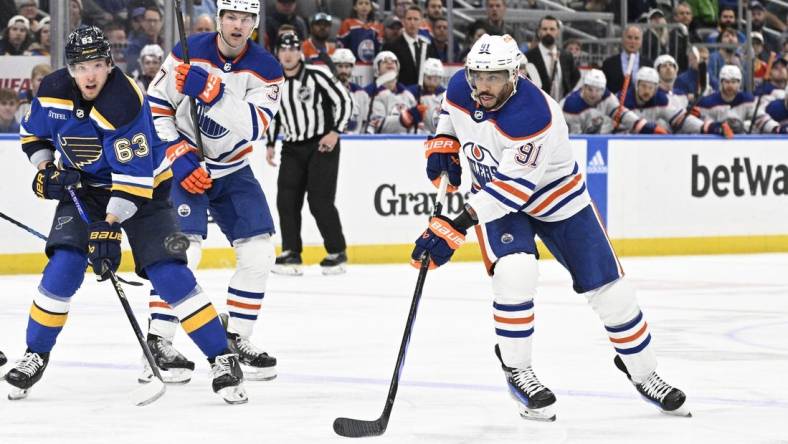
(313, 103)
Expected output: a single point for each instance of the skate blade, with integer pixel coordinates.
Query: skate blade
(258, 373)
(17, 393)
(234, 395)
(288, 270)
(335, 270)
(682, 411)
(173, 376)
(546, 414)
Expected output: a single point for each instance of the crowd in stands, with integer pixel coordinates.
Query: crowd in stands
(686, 57)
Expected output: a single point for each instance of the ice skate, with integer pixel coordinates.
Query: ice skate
(289, 264)
(535, 401)
(228, 379)
(174, 367)
(667, 398)
(3, 362)
(25, 373)
(257, 364)
(334, 263)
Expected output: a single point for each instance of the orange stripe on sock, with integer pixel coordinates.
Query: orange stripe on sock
(242, 305)
(514, 320)
(631, 338)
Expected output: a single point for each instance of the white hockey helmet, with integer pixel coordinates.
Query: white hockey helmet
(663, 59)
(383, 55)
(730, 72)
(647, 74)
(153, 50)
(250, 6)
(343, 55)
(494, 53)
(595, 78)
(433, 67)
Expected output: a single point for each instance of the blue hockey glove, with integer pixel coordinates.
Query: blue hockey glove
(51, 182)
(198, 83)
(412, 116)
(440, 239)
(104, 247)
(443, 155)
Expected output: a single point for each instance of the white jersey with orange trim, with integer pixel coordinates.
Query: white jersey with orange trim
(583, 118)
(252, 85)
(520, 154)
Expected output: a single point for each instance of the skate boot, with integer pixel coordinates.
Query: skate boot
(334, 263)
(174, 367)
(288, 263)
(257, 364)
(3, 362)
(27, 372)
(667, 398)
(228, 379)
(535, 401)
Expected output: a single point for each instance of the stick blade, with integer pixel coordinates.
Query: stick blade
(148, 393)
(358, 428)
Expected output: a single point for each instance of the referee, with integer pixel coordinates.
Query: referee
(314, 109)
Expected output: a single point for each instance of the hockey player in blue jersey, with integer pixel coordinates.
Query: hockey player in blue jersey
(99, 122)
(236, 84)
(526, 182)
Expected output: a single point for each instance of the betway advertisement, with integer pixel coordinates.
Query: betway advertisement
(697, 187)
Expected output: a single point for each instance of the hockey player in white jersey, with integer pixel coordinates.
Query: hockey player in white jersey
(393, 108)
(668, 69)
(526, 182)
(344, 61)
(653, 104)
(593, 109)
(236, 84)
(729, 103)
(429, 94)
(778, 111)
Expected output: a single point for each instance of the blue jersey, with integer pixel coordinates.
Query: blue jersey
(111, 140)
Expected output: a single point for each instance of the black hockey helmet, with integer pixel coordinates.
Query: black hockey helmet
(288, 40)
(87, 43)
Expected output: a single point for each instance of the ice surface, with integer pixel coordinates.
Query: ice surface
(720, 327)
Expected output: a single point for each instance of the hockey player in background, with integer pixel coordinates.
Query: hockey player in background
(101, 125)
(778, 111)
(526, 182)
(236, 84)
(593, 109)
(654, 105)
(429, 94)
(344, 61)
(731, 104)
(393, 108)
(667, 69)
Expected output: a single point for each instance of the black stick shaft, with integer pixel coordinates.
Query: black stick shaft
(23, 226)
(193, 102)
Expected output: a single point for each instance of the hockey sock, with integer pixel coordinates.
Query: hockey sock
(177, 286)
(255, 256)
(62, 277)
(514, 325)
(163, 321)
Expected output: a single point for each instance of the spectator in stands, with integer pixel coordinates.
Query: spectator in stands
(149, 62)
(688, 83)
(94, 12)
(74, 14)
(360, 33)
(344, 61)
(392, 30)
(496, 25)
(207, 7)
(136, 20)
(401, 7)
(412, 48)
(593, 109)
(775, 86)
(26, 95)
(116, 35)
(435, 12)
(557, 70)
(317, 47)
(771, 42)
(656, 37)
(151, 26)
(7, 10)
(16, 37)
(615, 66)
(29, 10)
(724, 56)
(204, 23)
(284, 13)
(8, 106)
(42, 41)
(440, 39)
(391, 102)
(705, 11)
(727, 20)
(684, 35)
(475, 31)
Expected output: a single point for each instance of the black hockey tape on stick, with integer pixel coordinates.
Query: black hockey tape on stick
(359, 428)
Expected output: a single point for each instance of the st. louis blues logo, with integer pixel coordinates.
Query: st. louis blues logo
(80, 151)
(62, 220)
(209, 127)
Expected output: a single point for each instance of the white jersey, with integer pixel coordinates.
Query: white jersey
(252, 84)
(742, 107)
(387, 106)
(665, 112)
(520, 155)
(360, 113)
(432, 105)
(583, 118)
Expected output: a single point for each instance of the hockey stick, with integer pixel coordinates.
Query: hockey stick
(154, 390)
(23, 226)
(623, 92)
(193, 102)
(358, 428)
(772, 57)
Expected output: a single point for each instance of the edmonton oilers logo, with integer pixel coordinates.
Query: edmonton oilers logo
(208, 126)
(366, 50)
(477, 153)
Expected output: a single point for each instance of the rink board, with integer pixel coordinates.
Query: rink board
(658, 195)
